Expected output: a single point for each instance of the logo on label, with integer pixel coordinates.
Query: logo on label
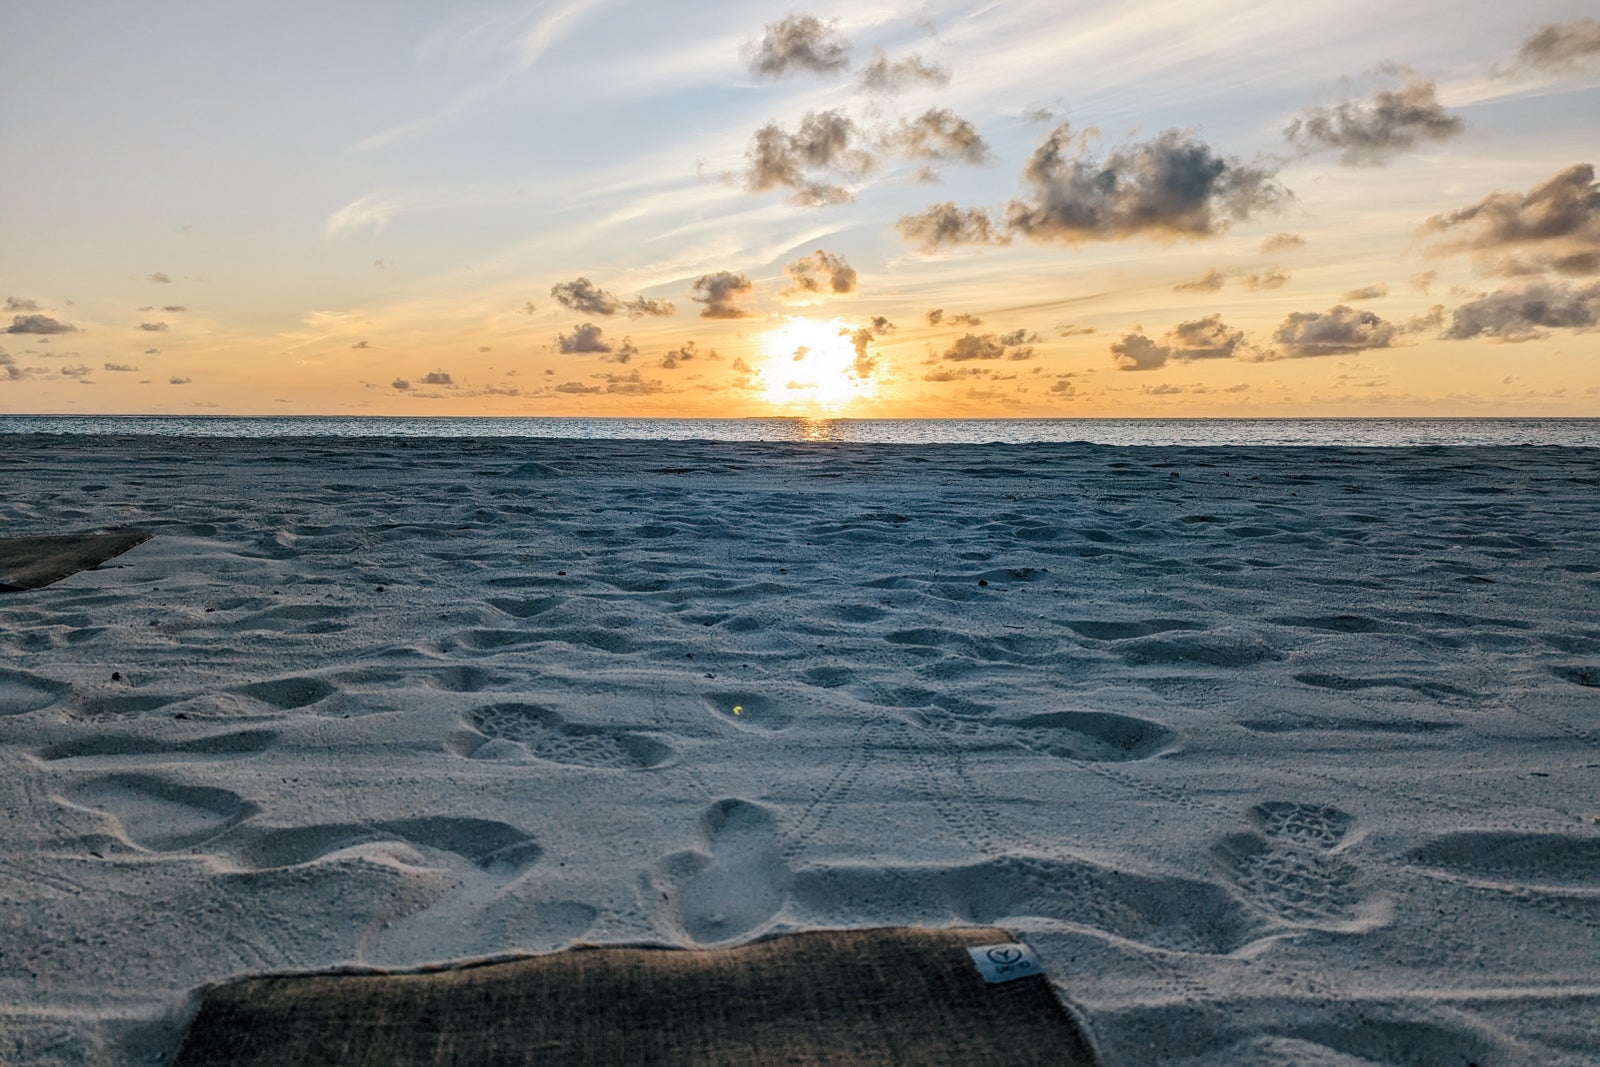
(1004, 963)
(1004, 955)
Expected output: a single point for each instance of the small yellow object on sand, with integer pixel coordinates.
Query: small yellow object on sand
(738, 709)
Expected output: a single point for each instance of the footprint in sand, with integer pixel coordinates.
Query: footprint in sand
(158, 814)
(507, 731)
(488, 845)
(22, 692)
(734, 883)
(1291, 870)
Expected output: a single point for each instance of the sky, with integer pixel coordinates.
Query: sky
(1134, 208)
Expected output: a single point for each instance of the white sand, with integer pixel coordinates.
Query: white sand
(1276, 756)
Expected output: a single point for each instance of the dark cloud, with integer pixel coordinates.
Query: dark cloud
(577, 388)
(1528, 313)
(9, 371)
(946, 224)
(175, 308)
(643, 307)
(76, 371)
(1370, 132)
(634, 384)
(1339, 331)
(820, 273)
(437, 377)
(938, 133)
(721, 293)
(161, 277)
(799, 42)
(938, 317)
(152, 327)
(1281, 242)
(881, 325)
(38, 324)
(587, 339)
(1209, 282)
(121, 367)
(861, 338)
(16, 303)
(400, 384)
(361, 344)
(1205, 338)
(990, 346)
(1168, 187)
(1555, 226)
(1561, 45)
(823, 147)
(581, 294)
(884, 75)
(175, 380)
(1368, 292)
(1072, 329)
(1271, 278)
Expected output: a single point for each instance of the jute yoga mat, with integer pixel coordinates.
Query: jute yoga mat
(35, 562)
(903, 996)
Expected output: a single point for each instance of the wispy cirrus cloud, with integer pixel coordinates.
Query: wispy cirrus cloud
(373, 211)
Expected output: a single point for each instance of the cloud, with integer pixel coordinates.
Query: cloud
(175, 380)
(946, 224)
(1561, 45)
(152, 327)
(1281, 242)
(1012, 346)
(438, 377)
(175, 308)
(577, 388)
(798, 42)
(400, 384)
(884, 75)
(14, 303)
(821, 273)
(1204, 338)
(1171, 186)
(1341, 330)
(1369, 133)
(38, 324)
(634, 384)
(1271, 278)
(1369, 292)
(1525, 314)
(685, 353)
(1422, 281)
(824, 143)
(938, 133)
(1555, 226)
(160, 277)
(77, 371)
(372, 211)
(9, 371)
(361, 344)
(581, 294)
(721, 293)
(1209, 282)
(121, 367)
(938, 317)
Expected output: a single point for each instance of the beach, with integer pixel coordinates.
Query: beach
(1274, 755)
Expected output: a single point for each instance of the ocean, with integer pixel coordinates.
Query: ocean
(1368, 433)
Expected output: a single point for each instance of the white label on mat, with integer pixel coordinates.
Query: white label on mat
(1005, 963)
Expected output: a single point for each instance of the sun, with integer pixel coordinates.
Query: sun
(813, 365)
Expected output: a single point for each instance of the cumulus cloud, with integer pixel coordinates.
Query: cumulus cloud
(1528, 313)
(721, 294)
(861, 338)
(945, 224)
(685, 353)
(1561, 45)
(76, 371)
(1371, 132)
(175, 380)
(400, 384)
(152, 327)
(589, 339)
(175, 308)
(361, 344)
(634, 384)
(581, 294)
(1422, 281)
(1015, 345)
(1281, 242)
(1209, 282)
(824, 146)
(438, 377)
(161, 277)
(1205, 338)
(1171, 186)
(38, 324)
(1271, 278)
(1339, 331)
(819, 274)
(938, 317)
(884, 75)
(1555, 226)
(1367, 292)
(577, 388)
(16, 303)
(121, 367)
(938, 133)
(799, 42)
